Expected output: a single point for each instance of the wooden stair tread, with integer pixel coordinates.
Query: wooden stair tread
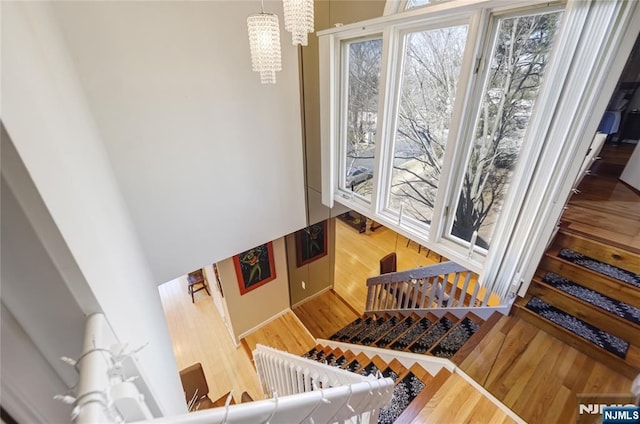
(457, 322)
(569, 230)
(403, 321)
(363, 359)
(586, 311)
(629, 366)
(349, 356)
(457, 401)
(429, 333)
(419, 372)
(591, 279)
(604, 252)
(479, 363)
(418, 319)
(397, 367)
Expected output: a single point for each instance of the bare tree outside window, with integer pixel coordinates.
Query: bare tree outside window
(431, 66)
(362, 114)
(515, 75)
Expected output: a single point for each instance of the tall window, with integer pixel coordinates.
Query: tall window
(515, 72)
(363, 60)
(432, 115)
(429, 78)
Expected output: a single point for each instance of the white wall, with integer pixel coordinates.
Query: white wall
(47, 117)
(209, 161)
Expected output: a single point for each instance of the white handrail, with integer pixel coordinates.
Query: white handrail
(355, 403)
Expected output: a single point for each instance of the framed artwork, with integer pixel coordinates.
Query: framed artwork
(311, 243)
(255, 267)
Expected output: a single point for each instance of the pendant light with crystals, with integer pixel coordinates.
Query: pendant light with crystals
(264, 43)
(298, 19)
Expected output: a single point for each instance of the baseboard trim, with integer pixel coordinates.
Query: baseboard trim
(348, 304)
(313, 296)
(305, 328)
(263, 323)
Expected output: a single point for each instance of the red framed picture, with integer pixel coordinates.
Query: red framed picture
(255, 267)
(311, 243)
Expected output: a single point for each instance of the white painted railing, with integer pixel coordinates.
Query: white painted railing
(303, 391)
(354, 403)
(283, 373)
(439, 288)
(290, 374)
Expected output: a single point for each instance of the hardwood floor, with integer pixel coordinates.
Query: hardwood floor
(537, 375)
(358, 258)
(285, 333)
(325, 314)
(198, 334)
(459, 402)
(607, 208)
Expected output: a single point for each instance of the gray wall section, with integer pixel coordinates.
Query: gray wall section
(28, 381)
(317, 275)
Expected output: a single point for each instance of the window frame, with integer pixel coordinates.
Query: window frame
(589, 52)
(394, 88)
(469, 94)
(585, 29)
(519, 180)
(342, 191)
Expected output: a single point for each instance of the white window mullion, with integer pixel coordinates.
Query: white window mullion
(329, 116)
(385, 104)
(394, 71)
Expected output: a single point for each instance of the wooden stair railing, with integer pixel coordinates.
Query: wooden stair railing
(439, 288)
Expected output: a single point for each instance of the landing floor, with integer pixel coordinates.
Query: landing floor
(606, 207)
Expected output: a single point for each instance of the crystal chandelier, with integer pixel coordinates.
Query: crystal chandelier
(298, 19)
(264, 42)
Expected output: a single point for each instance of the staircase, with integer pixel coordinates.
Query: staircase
(413, 387)
(445, 337)
(587, 293)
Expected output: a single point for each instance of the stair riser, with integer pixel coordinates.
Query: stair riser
(578, 342)
(591, 279)
(599, 251)
(587, 312)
